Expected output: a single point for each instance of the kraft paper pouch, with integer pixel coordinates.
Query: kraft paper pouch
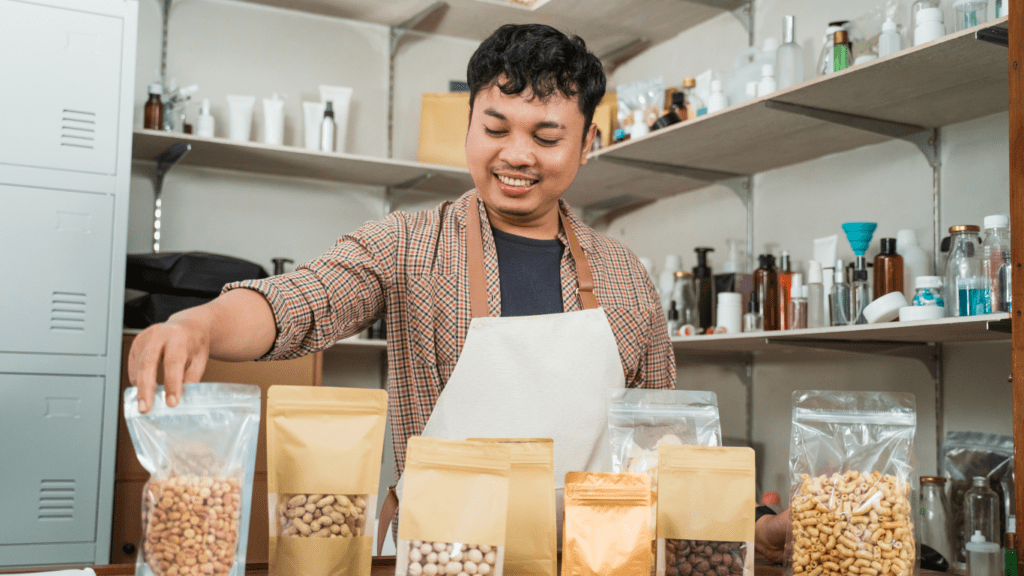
(324, 449)
(531, 540)
(706, 511)
(606, 524)
(443, 126)
(454, 508)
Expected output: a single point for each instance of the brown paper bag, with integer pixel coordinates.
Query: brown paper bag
(705, 511)
(531, 540)
(444, 120)
(454, 508)
(324, 449)
(606, 524)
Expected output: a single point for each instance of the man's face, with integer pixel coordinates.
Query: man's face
(523, 153)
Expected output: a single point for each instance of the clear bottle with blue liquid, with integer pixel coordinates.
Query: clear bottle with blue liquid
(964, 263)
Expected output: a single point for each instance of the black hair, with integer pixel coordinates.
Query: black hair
(520, 56)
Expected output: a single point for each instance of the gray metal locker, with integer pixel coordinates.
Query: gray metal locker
(68, 69)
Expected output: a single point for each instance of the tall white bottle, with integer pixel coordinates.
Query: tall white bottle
(789, 58)
(915, 261)
(717, 101)
(667, 279)
(889, 42)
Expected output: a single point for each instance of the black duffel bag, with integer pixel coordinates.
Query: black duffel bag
(187, 273)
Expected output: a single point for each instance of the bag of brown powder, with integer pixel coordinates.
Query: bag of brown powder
(531, 540)
(454, 508)
(706, 511)
(607, 519)
(324, 449)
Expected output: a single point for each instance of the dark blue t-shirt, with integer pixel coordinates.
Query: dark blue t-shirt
(529, 274)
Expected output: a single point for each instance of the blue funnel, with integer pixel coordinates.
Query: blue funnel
(859, 234)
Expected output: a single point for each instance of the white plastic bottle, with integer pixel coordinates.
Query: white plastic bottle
(915, 261)
(889, 41)
(667, 278)
(717, 101)
(205, 121)
(928, 25)
(789, 58)
(767, 84)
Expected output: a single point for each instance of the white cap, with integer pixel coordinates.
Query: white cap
(888, 25)
(751, 89)
(730, 299)
(864, 58)
(716, 85)
(673, 262)
(840, 273)
(928, 15)
(156, 88)
(979, 544)
(814, 272)
(885, 308)
(805, 290)
(906, 237)
(206, 107)
(767, 70)
(996, 221)
(796, 289)
(770, 44)
(927, 281)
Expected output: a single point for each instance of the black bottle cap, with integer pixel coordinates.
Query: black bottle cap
(702, 270)
(328, 110)
(888, 246)
(767, 261)
(752, 305)
(944, 246)
(860, 275)
(673, 313)
(667, 120)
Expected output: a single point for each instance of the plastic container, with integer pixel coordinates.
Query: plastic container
(240, 110)
(995, 262)
(730, 312)
(969, 13)
(789, 58)
(928, 292)
(908, 313)
(341, 99)
(963, 261)
(767, 85)
(205, 122)
(928, 25)
(884, 309)
(313, 114)
(273, 121)
(796, 315)
(717, 101)
(934, 511)
(889, 41)
(915, 260)
(981, 512)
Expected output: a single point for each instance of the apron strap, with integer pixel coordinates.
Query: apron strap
(387, 514)
(477, 277)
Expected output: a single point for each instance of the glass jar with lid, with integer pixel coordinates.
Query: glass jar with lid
(963, 263)
(928, 291)
(934, 511)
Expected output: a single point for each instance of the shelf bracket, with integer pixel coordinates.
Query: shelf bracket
(164, 162)
(1004, 326)
(994, 35)
(925, 139)
(395, 34)
(594, 212)
(924, 352)
(393, 194)
(745, 15)
(685, 171)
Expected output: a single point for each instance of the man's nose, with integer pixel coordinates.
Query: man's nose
(518, 151)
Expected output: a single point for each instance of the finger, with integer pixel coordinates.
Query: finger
(174, 371)
(147, 355)
(195, 369)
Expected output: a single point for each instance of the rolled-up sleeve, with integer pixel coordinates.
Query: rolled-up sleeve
(333, 296)
(658, 369)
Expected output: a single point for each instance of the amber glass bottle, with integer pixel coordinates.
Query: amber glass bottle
(153, 113)
(888, 269)
(766, 284)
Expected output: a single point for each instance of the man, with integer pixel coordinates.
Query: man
(494, 328)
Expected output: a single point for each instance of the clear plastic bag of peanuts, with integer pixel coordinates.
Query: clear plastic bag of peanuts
(201, 457)
(852, 464)
(454, 508)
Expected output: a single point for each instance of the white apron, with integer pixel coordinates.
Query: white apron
(547, 376)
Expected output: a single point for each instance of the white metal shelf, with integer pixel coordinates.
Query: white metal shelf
(294, 161)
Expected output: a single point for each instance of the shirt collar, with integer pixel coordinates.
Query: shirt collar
(582, 231)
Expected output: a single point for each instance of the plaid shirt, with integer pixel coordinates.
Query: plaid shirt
(411, 269)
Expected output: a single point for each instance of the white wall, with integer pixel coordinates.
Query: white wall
(215, 43)
(888, 183)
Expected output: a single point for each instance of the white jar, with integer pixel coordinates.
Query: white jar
(730, 312)
(928, 25)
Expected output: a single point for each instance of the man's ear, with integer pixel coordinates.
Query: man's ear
(588, 143)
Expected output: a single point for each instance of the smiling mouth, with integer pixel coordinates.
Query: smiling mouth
(517, 182)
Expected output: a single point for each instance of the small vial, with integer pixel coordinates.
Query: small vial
(928, 291)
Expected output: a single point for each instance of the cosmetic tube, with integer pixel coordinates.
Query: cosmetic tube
(273, 121)
(240, 110)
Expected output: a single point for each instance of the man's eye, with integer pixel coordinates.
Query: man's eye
(490, 132)
(545, 142)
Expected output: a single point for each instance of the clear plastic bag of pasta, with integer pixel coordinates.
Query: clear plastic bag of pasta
(852, 465)
(201, 457)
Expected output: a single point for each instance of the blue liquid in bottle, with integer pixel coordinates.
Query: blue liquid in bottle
(974, 301)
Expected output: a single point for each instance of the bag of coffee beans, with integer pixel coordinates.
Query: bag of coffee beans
(324, 447)
(454, 508)
(706, 511)
(531, 540)
(607, 519)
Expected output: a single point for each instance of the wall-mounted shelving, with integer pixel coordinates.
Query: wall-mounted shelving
(299, 162)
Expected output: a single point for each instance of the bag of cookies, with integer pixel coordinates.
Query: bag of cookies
(706, 512)
(454, 508)
(324, 447)
(607, 518)
(852, 466)
(201, 457)
(531, 540)
(641, 421)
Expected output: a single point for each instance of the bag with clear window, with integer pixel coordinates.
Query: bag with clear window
(852, 465)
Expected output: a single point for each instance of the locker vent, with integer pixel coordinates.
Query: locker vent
(78, 129)
(56, 499)
(68, 312)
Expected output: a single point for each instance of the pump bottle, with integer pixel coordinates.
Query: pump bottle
(785, 279)
(704, 285)
(815, 296)
(841, 300)
(796, 315)
(327, 128)
(860, 291)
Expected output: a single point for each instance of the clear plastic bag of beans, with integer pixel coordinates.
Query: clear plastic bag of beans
(852, 465)
(201, 457)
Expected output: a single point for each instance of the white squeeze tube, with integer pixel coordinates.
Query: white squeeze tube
(240, 109)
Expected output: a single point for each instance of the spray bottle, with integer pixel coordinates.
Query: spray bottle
(859, 235)
(815, 296)
(704, 286)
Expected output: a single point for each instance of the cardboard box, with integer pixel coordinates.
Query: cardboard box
(444, 120)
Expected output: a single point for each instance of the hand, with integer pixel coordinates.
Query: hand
(770, 535)
(183, 343)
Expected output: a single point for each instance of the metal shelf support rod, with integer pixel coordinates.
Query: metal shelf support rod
(164, 162)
